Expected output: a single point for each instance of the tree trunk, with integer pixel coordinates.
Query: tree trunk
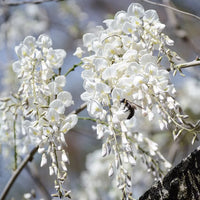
(181, 183)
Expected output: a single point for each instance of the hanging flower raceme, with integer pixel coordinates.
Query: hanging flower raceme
(40, 104)
(125, 82)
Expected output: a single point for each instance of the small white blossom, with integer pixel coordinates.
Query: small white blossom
(96, 110)
(60, 81)
(27, 195)
(52, 115)
(68, 123)
(43, 160)
(111, 171)
(78, 52)
(58, 106)
(66, 98)
(51, 171)
(44, 41)
(100, 130)
(64, 156)
(63, 165)
(55, 58)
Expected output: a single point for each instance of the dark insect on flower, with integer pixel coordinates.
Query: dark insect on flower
(130, 106)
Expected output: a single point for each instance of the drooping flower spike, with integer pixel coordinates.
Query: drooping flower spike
(37, 111)
(124, 67)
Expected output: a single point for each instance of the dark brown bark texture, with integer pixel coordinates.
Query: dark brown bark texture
(181, 183)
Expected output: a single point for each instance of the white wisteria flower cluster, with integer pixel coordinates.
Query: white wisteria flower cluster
(125, 82)
(32, 18)
(39, 105)
(190, 88)
(95, 183)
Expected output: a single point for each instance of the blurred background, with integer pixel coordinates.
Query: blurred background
(65, 22)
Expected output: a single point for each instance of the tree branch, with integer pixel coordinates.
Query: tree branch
(18, 3)
(81, 108)
(174, 9)
(188, 64)
(28, 158)
(181, 183)
(178, 67)
(35, 176)
(178, 29)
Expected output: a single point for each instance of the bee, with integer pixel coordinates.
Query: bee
(130, 106)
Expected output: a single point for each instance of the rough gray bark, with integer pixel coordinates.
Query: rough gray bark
(181, 183)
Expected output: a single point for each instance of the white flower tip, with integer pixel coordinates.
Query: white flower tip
(79, 52)
(43, 160)
(44, 41)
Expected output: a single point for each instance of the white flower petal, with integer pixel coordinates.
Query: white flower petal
(66, 98)
(43, 160)
(64, 156)
(60, 81)
(57, 105)
(135, 9)
(44, 41)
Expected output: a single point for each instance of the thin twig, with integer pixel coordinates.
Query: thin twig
(73, 68)
(15, 144)
(174, 9)
(35, 176)
(87, 118)
(178, 30)
(28, 158)
(185, 65)
(18, 3)
(81, 108)
(188, 64)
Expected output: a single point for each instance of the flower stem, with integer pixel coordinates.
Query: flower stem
(73, 68)
(87, 118)
(15, 144)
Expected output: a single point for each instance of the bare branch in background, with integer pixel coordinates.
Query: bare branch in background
(81, 108)
(17, 3)
(174, 9)
(188, 64)
(28, 158)
(178, 30)
(36, 178)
